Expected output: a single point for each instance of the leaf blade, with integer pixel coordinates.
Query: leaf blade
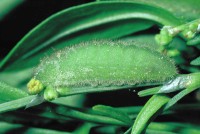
(15, 104)
(8, 93)
(147, 113)
(66, 23)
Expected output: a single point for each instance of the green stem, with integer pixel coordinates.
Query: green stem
(73, 91)
(188, 81)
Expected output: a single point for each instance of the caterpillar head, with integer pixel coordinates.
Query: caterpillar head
(35, 86)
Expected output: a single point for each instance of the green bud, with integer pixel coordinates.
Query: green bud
(188, 34)
(50, 93)
(173, 53)
(163, 39)
(193, 27)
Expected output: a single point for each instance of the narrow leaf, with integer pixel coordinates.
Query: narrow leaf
(178, 97)
(183, 128)
(196, 61)
(8, 93)
(6, 6)
(148, 112)
(112, 112)
(88, 116)
(192, 84)
(150, 91)
(191, 7)
(8, 127)
(62, 28)
(15, 104)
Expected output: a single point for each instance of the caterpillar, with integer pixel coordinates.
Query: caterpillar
(96, 64)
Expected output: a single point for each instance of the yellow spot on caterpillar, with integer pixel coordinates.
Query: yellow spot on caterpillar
(35, 86)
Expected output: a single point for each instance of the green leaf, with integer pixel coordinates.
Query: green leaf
(178, 97)
(15, 104)
(8, 127)
(150, 110)
(112, 112)
(130, 109)
(150, 91)
(158, 132)
(194, 41)
(191, 85)
(181, 128)
(90, 116)
(107, 129)
(81, 90)
(8, 93)
(17, 79)
(196, 61)
(97, 20)
(183, 9)
(191, 8)
(84, 129)
(4, 127)
(6, 6)
(32, 130)
(146, 40)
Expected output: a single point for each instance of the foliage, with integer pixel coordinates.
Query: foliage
(172, 31)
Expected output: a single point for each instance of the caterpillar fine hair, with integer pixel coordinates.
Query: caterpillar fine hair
(100, 64)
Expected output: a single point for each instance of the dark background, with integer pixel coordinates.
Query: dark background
(26, 16)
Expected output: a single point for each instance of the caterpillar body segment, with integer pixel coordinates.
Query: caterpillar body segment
(97, 64)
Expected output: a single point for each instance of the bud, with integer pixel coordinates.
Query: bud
(50, 93)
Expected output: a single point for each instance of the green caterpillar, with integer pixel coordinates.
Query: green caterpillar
(99, 64)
